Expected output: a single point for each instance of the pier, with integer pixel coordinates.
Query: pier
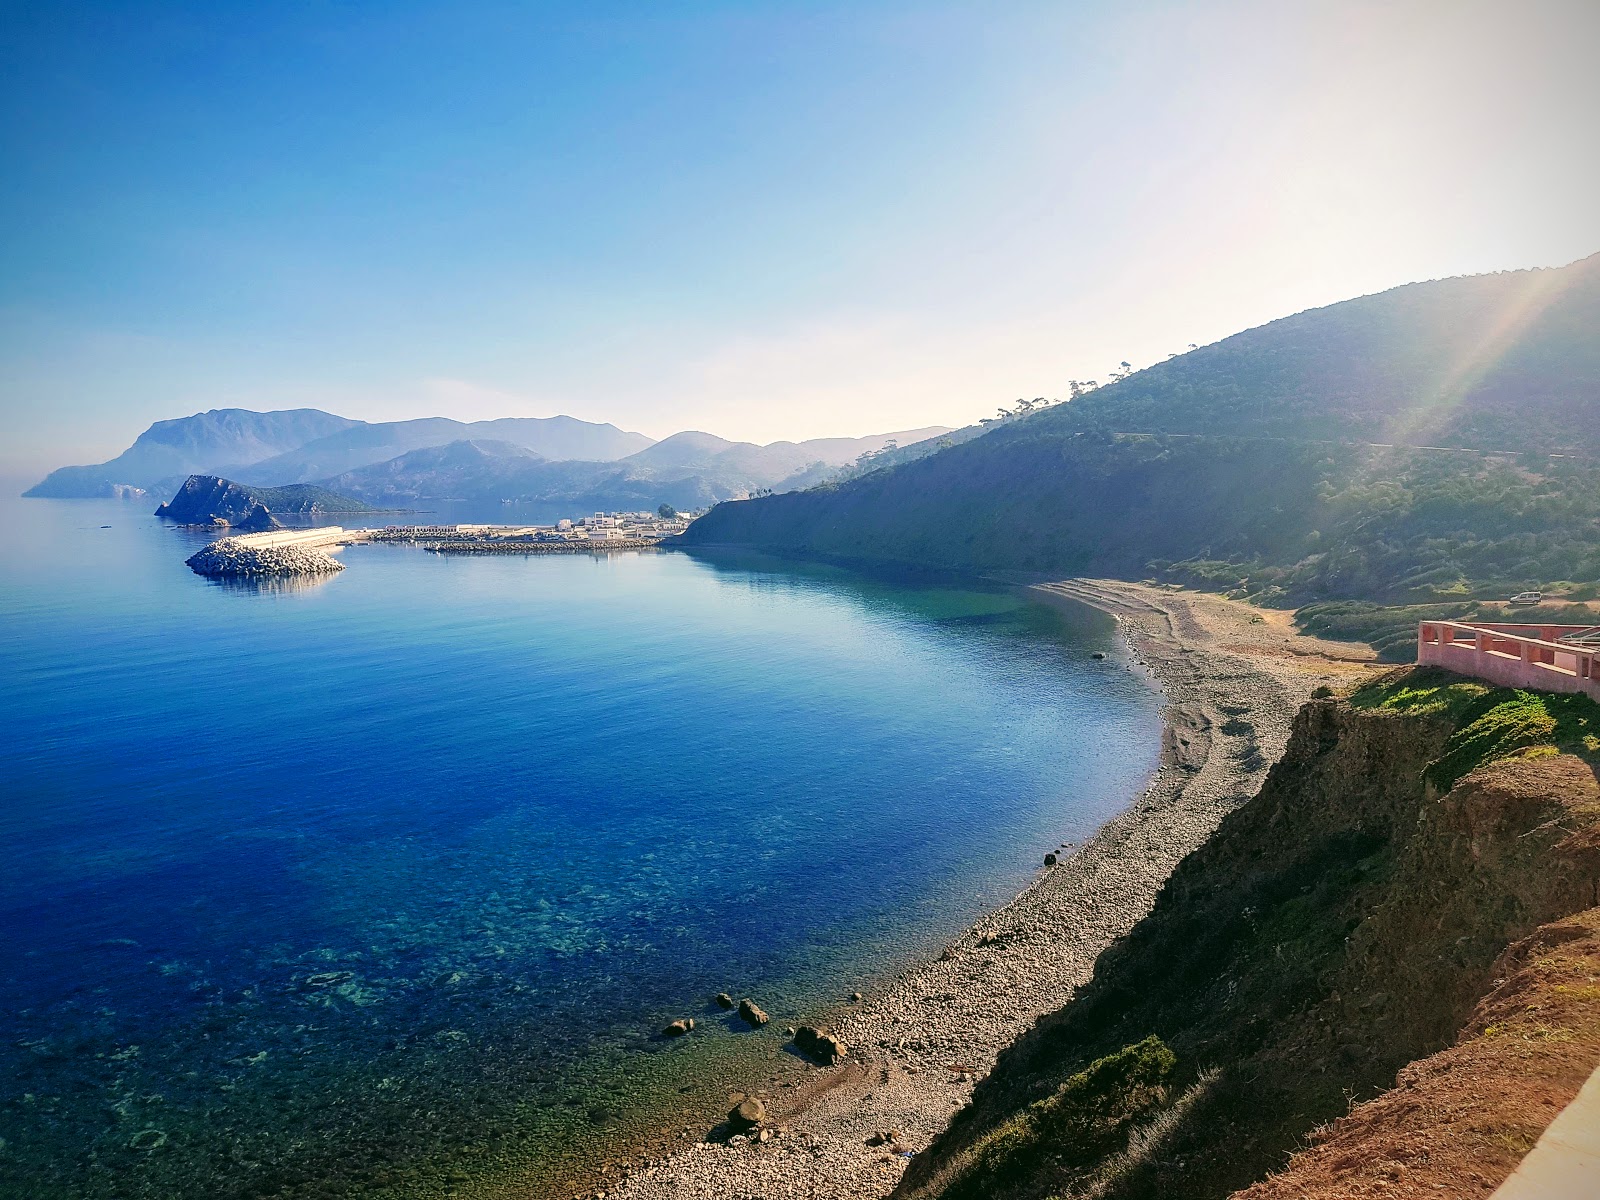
(309, 551)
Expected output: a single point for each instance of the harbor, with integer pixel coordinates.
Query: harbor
(287, 552)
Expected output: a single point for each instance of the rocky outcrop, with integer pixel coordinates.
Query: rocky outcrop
(258, 520)
(206, 498)
(210, 499)
(753, 1012)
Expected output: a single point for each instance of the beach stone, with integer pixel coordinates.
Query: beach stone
(678, 1028)
(752, 1012)
(1049, 860)
(748, 1113)
(819, 1044)
(724, 1000)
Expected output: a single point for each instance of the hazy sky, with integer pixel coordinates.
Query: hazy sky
(766, 220)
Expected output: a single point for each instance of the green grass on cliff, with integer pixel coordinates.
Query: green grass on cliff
(1084, 1120)
(1491, 723)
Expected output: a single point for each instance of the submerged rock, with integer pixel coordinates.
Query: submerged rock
(752, 1012)
(724, 1000)
(678, 1028)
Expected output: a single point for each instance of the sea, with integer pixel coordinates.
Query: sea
(385, 884)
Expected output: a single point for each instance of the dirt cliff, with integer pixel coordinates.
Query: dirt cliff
(1384, 892)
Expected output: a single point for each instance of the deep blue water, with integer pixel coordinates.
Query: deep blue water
(330, 890)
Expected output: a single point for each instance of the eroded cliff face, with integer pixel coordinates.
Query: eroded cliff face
(1340, 926)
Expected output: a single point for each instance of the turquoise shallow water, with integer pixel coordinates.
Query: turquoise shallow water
(376, 886)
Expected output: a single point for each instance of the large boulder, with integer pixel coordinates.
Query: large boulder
(819, 1045)
(753, 1013)
(748, 1113)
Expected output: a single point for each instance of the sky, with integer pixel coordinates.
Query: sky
(764, 220)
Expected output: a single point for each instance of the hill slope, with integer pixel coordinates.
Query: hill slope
(1250, 462)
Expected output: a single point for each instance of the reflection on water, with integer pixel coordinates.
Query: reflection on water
(268, 585)
(384, 892)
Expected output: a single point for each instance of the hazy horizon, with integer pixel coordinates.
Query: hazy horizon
(768, 222)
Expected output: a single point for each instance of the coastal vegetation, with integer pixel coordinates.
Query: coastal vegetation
(1432, 443)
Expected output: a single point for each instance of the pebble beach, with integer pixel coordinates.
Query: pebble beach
(1233, 677)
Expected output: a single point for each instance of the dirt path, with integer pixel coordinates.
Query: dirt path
(1233, 677)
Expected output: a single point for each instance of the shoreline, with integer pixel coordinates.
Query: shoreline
(1232, 678)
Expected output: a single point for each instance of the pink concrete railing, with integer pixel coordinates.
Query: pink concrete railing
(1523, 656)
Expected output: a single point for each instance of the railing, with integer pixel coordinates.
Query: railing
(1527, 656)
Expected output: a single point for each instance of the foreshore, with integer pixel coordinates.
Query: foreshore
(1233, 678)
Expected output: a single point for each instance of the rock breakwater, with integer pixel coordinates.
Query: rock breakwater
(235, 558)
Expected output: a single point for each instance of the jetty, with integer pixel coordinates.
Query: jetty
(282, 552)
(277, 552)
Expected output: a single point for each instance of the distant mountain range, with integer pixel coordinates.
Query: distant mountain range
(1437, 440)
(534, 459)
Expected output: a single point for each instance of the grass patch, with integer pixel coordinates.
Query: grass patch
(1425, 692)
(1065, 1135)
(1491, 723)
(1507, 723)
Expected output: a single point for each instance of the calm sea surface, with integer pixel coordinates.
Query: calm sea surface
(379, 886)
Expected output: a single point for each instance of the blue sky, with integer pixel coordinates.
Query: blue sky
(766, 220)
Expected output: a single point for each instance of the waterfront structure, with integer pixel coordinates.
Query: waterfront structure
(1547, 658)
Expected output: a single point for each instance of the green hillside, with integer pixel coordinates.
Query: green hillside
(1261, 463)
